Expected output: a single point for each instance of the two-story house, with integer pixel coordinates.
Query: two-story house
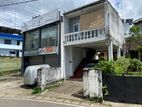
(10, 42)
(87, 34)
(90, 32)
(42, 36)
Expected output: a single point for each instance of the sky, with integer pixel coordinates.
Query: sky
(15, 15)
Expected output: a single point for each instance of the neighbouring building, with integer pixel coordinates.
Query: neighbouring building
(10, 42)
(132, 47)
(42, 40)
(128, 23)
(139, 23)
(91, 32)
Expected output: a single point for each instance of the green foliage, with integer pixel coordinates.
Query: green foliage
(105, 90)
(135, 65)
(36, 90)
(105, 66)
(135, 30)
(121, 65)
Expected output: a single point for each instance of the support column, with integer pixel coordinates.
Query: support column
(118, 52)
(110, 51)
(71, 61)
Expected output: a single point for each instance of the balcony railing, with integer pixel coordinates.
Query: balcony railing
(84, 35)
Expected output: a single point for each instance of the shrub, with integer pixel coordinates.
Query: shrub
(114, 67)
(135, 65)
(36, 90)
(121, 65)
(106, 66)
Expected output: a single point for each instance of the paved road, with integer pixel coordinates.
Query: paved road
(28, 103)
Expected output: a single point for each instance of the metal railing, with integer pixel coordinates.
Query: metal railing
(84, 35)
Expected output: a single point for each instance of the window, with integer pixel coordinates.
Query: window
(6, 41)
(32, 40)
(49, 36)
(76, 27)
(18, 42)
(12, 52)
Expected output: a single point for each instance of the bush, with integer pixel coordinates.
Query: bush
(135, 65)
(121, 65)
(106, 66)
(114, 67)
(36, 90)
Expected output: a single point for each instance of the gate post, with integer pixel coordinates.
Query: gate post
(92, 84)
(41, 78)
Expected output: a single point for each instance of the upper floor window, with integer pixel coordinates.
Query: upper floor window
(6, 41)
(75, 27)
(49, 36)
(32, 40)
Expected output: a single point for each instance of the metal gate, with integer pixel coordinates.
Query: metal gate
(123, 88)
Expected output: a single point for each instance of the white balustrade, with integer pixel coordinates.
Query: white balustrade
(84, 35)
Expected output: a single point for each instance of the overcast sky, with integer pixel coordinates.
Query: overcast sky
(16, 15)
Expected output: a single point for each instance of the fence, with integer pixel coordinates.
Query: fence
(123, 88)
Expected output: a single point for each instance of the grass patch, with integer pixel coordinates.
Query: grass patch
(49, 87)
(9, 65)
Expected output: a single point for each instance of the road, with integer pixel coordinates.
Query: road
(29, 103)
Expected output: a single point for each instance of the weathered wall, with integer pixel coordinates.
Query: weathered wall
(116, 26)
(94, 19)
(92, 84)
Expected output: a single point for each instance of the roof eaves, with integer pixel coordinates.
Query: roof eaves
(85, 6)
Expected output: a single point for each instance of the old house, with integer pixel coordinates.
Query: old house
(90, 32)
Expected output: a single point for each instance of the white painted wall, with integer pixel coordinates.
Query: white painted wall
(72, 58)
(78, 55)
(5, 48)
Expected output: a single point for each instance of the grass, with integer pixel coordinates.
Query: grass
(37, 90)
(9, 65)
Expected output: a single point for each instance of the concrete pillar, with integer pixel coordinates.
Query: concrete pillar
(71, 61)
(110, 51)
(92, 84)
(118, 52)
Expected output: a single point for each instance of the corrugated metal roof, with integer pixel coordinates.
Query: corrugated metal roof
(11, 36)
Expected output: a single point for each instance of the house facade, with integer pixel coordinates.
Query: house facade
(10, 42)
(86, 34)
(42, 40)
(91, 32)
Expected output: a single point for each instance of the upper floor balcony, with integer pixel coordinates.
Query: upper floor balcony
(85, 36)
(91, 23)
(85, 24)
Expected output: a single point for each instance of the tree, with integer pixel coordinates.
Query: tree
(134, 42)
(134, 30)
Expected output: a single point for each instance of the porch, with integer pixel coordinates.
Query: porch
(78, 55)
